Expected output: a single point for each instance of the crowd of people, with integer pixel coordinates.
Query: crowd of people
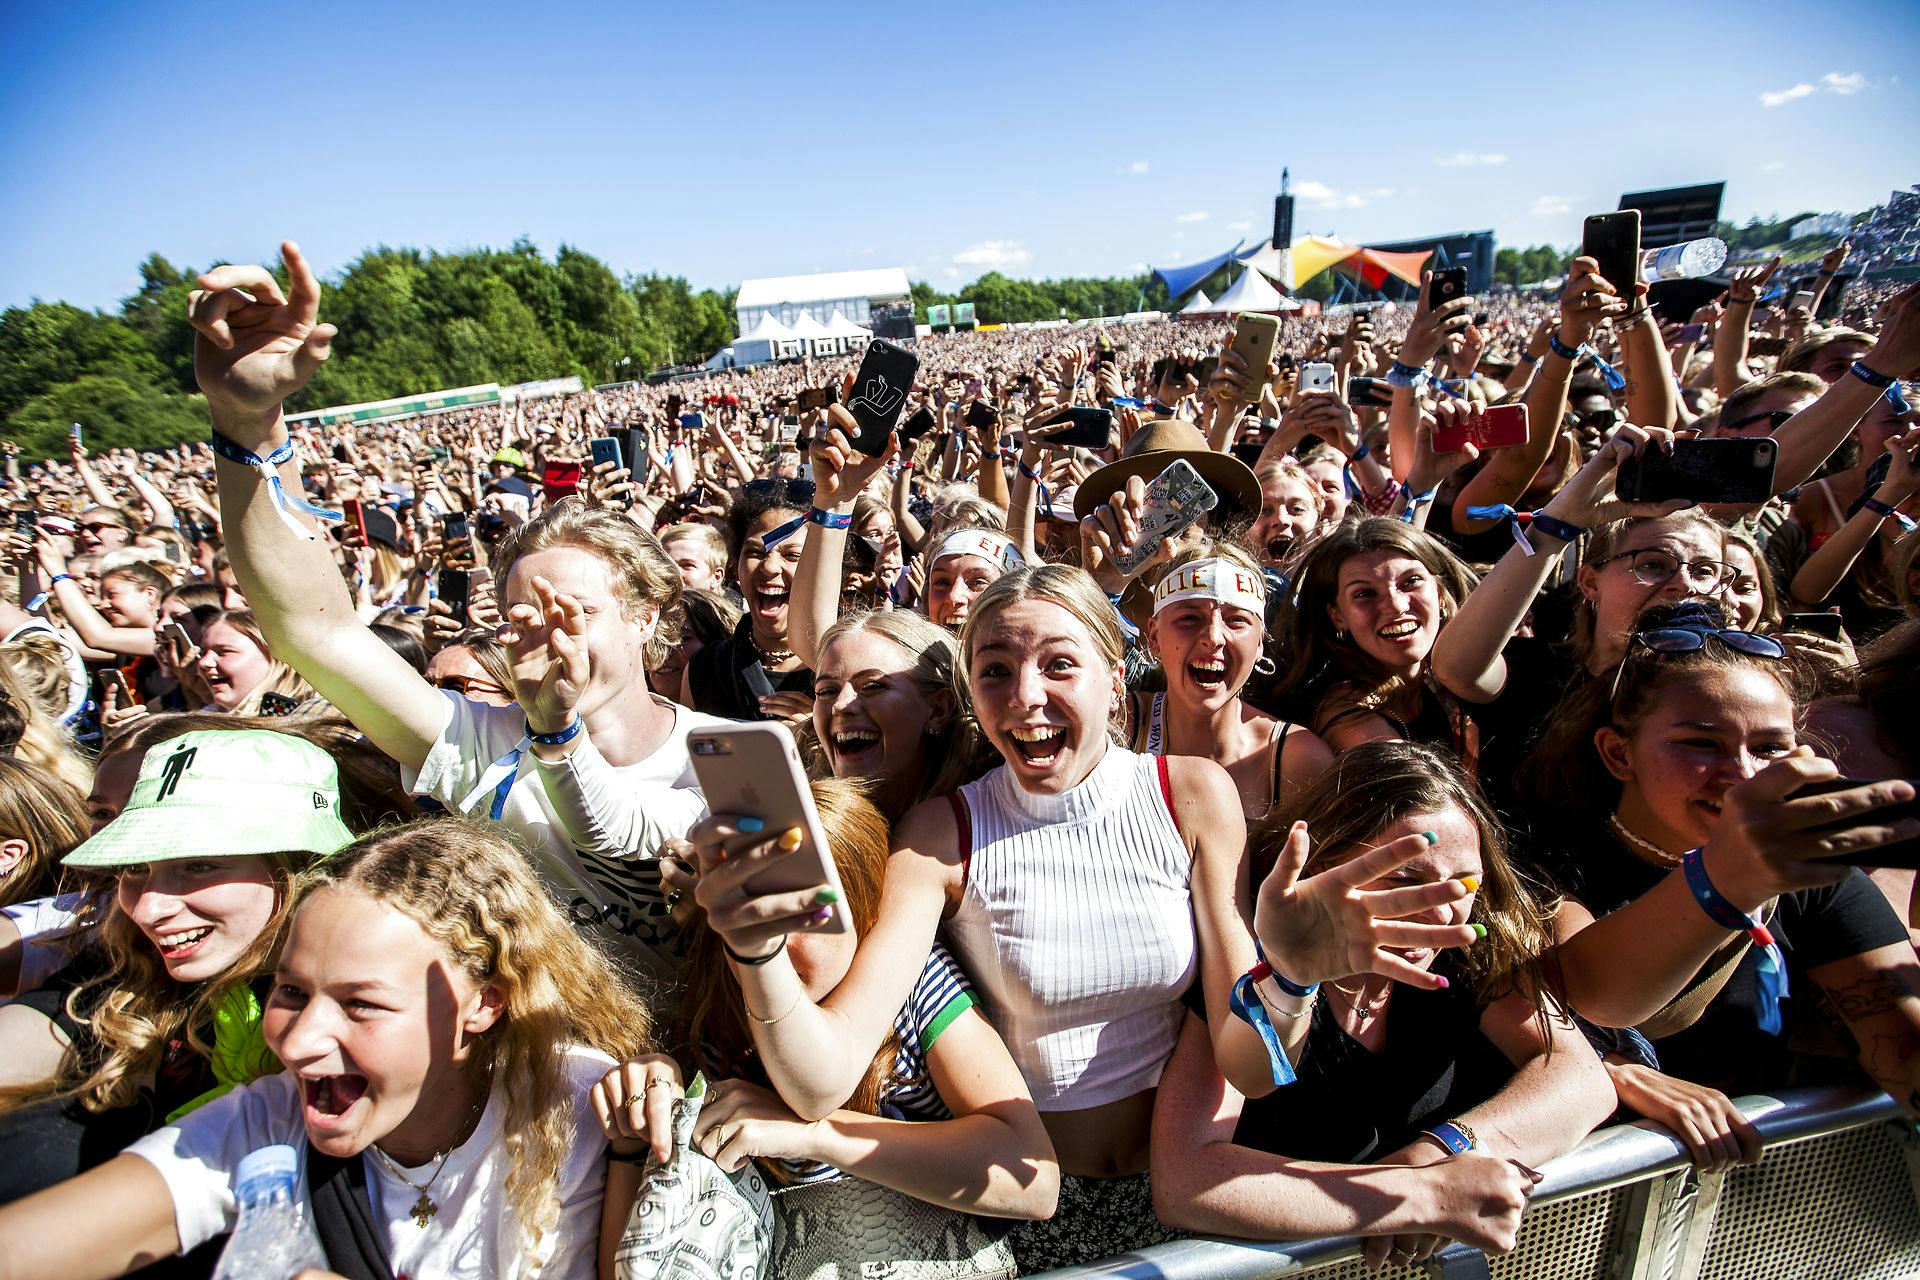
(1321, 866)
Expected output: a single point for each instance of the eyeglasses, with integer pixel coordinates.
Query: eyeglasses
(1602, 419)
(1652, 567)
(1694, 639)
(1774, 420)
(470, 686)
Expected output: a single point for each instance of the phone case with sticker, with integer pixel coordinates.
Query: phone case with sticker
(1176, 498)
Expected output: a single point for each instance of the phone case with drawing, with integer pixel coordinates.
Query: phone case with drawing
(1176, 498)
(879, 393)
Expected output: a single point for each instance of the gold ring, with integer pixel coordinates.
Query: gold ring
(654, 1081)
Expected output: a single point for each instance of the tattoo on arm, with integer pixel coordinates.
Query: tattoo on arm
(1878, 993)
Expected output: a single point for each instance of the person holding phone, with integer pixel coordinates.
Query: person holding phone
(756, 673)
(1082, 888)
(1679, 783)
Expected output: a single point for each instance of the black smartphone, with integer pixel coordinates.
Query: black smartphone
(605, 449)
(918, 423)
(1613, 241)
(1904, 854)
(1373, 392)
(635, 449)
(1447, 284)
(27, 521)
(880, 393)
(278, 704)
(1830, 625)
(453, 528)
(1204, 370)
(1087, 428)
(1737, 470)
(455, 590)
(981, 415)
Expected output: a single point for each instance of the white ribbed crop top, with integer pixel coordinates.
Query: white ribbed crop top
(1076, 926)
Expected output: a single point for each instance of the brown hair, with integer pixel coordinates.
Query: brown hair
(40, 808)
(643, 576)
(280, 677)
(1739, 404)
(1603, 543)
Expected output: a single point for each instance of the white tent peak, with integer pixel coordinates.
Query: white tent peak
(839, 326)
(1199, 305)
(1251, 292)
(805, 326)
(769, 329)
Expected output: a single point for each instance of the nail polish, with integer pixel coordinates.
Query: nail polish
(1444, 984)
(827, 896)
(1431, 838)
(751, 824)
(821, 916)
(1479, 930)
(1472, 883)
(790, 838)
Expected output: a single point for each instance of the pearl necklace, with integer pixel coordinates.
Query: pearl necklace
(1645, 848)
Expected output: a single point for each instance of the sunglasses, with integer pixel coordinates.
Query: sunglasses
(1692, 640)
(469, 686)
(1652, 567)
(1774, 420)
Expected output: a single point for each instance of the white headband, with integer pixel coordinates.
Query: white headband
(992, 547)
(1219, 580)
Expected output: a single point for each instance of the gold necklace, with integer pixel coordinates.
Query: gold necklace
(1644, 847)
(1364, 1013)
(424, 1209)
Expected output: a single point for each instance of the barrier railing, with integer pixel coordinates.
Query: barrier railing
(1835, 1197)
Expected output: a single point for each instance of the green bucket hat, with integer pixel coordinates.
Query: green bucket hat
(224, 794)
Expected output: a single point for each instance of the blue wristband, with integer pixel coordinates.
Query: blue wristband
(58, 578)
(1360, 453)
(1859, 370)
(1557, 528)
(1456, 1138)
(1561, 349)
(830, 519)
(1887, 512)
(1401, 375)
(559, 739)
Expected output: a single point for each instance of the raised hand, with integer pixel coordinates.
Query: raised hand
(1747, 283)
(1590, 298)
(1327, 926)
(255, 345)
(547, 650)
(1433, 329)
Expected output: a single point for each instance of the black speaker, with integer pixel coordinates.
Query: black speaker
(1282, 221)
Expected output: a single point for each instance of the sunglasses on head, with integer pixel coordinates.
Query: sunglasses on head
(1694, 639)
(1774, 420)
(468, 686)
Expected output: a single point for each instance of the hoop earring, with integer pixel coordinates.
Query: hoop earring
(1264, 666)
(1340, 635)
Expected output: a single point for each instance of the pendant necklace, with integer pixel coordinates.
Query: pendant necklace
(424, 1209)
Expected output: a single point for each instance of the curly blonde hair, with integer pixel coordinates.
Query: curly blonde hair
(476, 895)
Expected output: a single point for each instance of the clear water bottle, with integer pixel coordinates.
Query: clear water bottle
(1689, 261)
(272, 1240)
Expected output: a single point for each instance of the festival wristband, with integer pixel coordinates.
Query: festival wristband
(1361, 452)
(1530, 360)
(830, 519)
(1245, 1002)
(59, 578)
(1879, 508)
(1418, 500)
(1401, 375)
(34, 605)
(1454, 1136)
(1715, 904)
(284, 503)
(1561, 349)
(560, 738)
(1859, 370)
(1554, 527)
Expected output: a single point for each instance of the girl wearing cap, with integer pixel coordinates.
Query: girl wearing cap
(442, 1025)
(1083, 888)
(161, 1012)
(1208, 631)
(1703, 908)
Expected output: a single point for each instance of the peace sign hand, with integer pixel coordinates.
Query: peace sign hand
(547, 649)
(255, 345)
(1327, 926)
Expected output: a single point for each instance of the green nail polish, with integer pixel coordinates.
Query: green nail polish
(830, 895)
(1479, 930)
(1431, 838)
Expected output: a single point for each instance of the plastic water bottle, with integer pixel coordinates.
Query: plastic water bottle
(273, 1240)
(1689, 261)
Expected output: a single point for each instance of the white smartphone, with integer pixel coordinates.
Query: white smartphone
(754, 770)
(1316, 375)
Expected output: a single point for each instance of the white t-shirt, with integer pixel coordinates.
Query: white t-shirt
(617, 896)
(475, 1236)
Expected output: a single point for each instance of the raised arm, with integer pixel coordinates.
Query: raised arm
(90, 478)
(840, 473)
(253, 347)
(1827, 567)
(1731, 336)
(1809, 437)
(1427, 336)
(87, 622)
(1653, 396)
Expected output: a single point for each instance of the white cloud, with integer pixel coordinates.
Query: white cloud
(1850, 83)
(951, 273)
(1549, 206)
(995, 255)
(1243, 224)
(1321, 196)
(1773, 166)
(1381, 193)
(1774, 98)
(1198, 215)
(1137, 167)
(1460, 159)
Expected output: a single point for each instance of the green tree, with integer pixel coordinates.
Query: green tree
(115, 412)
(49, 343)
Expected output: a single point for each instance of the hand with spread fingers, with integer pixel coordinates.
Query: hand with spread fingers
(547, 649)
(256, 345)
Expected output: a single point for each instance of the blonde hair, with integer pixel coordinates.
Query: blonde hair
(643, 575)
(956, 755)
(40, 808)
(42, 740)
(712, 545)
(476, 895)
(38, 662)
(1072, 589)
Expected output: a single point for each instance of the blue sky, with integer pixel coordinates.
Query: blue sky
(721, 142)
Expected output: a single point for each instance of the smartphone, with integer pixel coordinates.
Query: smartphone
(560, 480)
(1691, 332)
(1904, 854)
(973, 388)
(1829, 625)
(1504, 426)
(754, 770)
(981, 415)
(1369, 393)
(694, 421)
(1254, 335)
(278, 704)
(357, 517)
(1175, 500)
(1316, 375)
(1737, 470)
(1613, 241)
(74, 431)
(111, 679)
(1802, 300)
(455, 590)
(817, 398)
(880, 393)
(1087, 428)
(27, 521)
(918, 423)
(1203, 370)
(453, 528)
(635, 449)
(1447, 284)
(176, 636)
(605, 449)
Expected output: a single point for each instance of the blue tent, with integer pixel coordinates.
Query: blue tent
(1180, 280)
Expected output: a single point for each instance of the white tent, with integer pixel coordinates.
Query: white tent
(1251, 292)
(840, 327)
(1199, 306)
(768, 340)
(1270, 262)
(819, 341)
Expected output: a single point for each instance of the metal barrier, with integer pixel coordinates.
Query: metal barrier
(1835, 1197)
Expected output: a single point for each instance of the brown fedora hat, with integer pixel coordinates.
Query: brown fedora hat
(1153, 449)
